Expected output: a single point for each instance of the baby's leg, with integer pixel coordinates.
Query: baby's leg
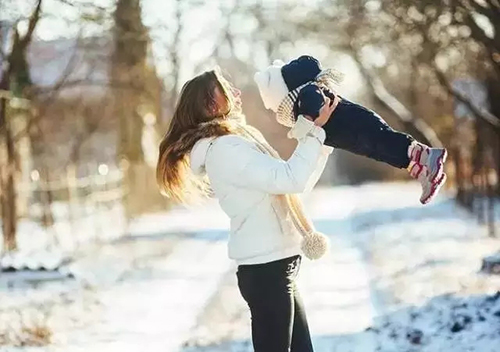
(361, 131)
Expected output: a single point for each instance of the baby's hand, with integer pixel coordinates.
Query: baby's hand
(328, 93)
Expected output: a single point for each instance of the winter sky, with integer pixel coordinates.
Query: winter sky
(202, 24)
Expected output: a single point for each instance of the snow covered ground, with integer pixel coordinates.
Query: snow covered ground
(74, 228)
(400, 277)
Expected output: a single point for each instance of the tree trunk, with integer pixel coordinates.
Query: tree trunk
(46, 198)
(490, 210)
(7, 174)
(128, 68)
(459, 174)
(497, 158)
(478, 170)
(131, 103)
(493, 85)
(15, 78)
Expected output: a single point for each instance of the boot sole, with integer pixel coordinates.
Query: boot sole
(434, 189)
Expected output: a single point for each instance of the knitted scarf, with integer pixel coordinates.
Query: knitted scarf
(289, 206)
(327, 78)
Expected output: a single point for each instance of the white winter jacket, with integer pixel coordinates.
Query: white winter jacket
(244, 179)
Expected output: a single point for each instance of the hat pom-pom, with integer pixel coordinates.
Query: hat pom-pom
(278, 63)
(315, 245)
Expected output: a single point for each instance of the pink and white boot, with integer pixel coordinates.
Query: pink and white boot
(427, 166)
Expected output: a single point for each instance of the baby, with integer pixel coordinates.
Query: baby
(299, 88)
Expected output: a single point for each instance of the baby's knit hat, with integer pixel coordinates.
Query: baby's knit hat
(300, 71)
(272, 86)
(279, 84)
(277, 80)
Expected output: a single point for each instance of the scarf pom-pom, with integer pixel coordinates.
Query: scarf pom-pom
(315, 245)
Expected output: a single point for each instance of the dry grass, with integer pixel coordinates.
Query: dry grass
(20, 329)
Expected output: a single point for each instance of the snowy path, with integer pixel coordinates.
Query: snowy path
(338, 299)
(177, 293)
(374, 230)
(337, 292)
(336, 289)
(160, 312)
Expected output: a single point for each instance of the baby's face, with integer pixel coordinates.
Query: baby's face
(272, 88)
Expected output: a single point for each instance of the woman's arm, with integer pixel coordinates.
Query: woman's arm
(298, 131)
(241, 163)
(320, 167)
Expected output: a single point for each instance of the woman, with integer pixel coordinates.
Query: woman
(208, 136)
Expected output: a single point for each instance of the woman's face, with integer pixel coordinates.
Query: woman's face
(236, 97)
(220, 99)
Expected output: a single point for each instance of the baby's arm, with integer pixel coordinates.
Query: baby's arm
(310, 101)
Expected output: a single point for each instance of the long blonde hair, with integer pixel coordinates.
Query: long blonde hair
(196, 116)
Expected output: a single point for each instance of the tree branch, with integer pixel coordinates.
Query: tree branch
(68, 84)
(88, 5)
(18, 102)
(485, 11)
(418, 127)
(479, 33)
(478, 111)
(443, 80)
(35, 16)
(175, 51)
(493, 4)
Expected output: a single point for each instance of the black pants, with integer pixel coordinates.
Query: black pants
(278, 318)
(359, 130)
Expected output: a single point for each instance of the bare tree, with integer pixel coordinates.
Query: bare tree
(129, 67)
(15, 79)
(439, 25)
(36, 103)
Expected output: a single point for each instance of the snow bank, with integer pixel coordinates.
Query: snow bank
(444, 323)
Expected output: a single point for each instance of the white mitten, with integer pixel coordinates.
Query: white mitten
(303, 127)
